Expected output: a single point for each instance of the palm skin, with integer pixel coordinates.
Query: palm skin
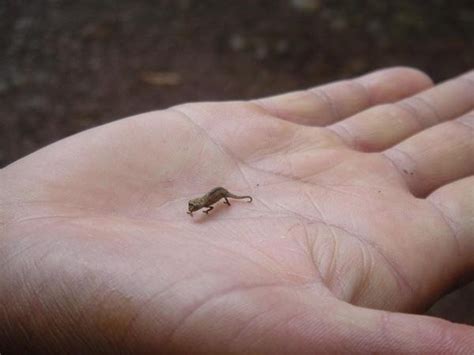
(97, 245)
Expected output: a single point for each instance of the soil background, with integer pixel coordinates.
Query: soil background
(66, 66)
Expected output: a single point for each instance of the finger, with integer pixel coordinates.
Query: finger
(338, 327)
(382, 126)
(297, 320)
(455, 203)
(436, 156)
(332, 102)
(389, 332)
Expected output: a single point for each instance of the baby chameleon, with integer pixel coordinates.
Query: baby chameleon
(211, 198)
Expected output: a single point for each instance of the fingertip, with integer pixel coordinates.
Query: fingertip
(412, 72)
(396, 83)
(418, 76)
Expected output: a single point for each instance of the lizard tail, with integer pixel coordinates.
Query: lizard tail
(241, 197)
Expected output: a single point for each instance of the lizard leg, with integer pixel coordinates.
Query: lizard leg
(226, 201)
(207, 211)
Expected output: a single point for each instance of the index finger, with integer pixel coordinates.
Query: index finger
(333, 102)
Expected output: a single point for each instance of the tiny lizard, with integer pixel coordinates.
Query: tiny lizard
(211, 198)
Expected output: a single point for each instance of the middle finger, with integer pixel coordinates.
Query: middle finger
(383, 126)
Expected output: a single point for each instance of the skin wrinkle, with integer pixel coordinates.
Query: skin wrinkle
(384, 321)
(287, 143)
(369, 102)
(212, 298)
(398, 109)
(330, 187)
(331, 277)
(274, 112)
(367, 266)
(114, 214)
(209, 242)
(286, 151)
(248, 323)
(201, 152)
(430, 106)
(272, 217)
(308, 248)
(321, 96)
(142, 307)
(322, 218)
(288, 178)
(37, 292)
(24, 250)
(402, 281)
(240, 160)
(229, 154)
(325, 98)
(290, 164)
(402, 115)
(449, 224)
(288, 157)
(400, 278)
(335, 281)
(159, 207)
(397, 168)
(350, 139)
(203, 131)
(308, 146)
(278, 325)
(228, 250)
(352, 194)
(240, 257)
(266, 111)
(265, 204)
(247, 181)
(275, 268)
(463, 125)
(345, 136)
(304, 179)
(36, 218)
(23, 202)
(414, 115)
(444, 338)
(18, 204)
(310, 242)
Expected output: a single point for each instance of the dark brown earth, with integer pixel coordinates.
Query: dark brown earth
(69, 65)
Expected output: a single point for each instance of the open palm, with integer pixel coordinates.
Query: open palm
(360, 209)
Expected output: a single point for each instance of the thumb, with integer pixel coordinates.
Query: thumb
(383, 331)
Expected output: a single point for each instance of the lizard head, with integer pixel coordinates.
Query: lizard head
(194, 205)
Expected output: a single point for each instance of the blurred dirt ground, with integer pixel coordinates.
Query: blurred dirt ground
(69, 65)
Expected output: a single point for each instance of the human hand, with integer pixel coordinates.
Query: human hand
(361, 209)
